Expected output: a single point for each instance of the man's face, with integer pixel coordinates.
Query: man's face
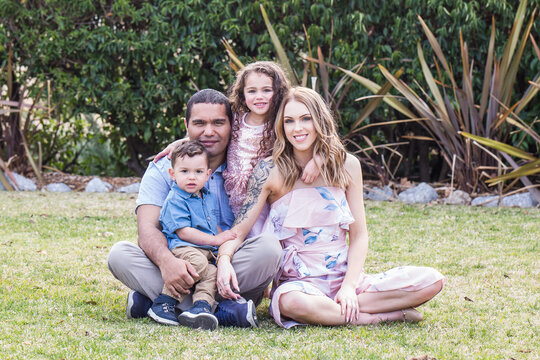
(210, 125)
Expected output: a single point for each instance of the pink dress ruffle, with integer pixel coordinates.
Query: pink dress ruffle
(312, 225)
(240, 155)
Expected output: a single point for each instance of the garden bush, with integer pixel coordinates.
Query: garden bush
(135, 63)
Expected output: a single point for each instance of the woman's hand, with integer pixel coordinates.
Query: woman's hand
(348, 300)
(226, 277)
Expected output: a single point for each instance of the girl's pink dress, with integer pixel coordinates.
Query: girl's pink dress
(312, 224)
(240, 154)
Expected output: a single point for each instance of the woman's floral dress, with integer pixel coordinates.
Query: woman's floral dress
(312, 226)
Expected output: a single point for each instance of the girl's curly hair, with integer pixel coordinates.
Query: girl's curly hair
(280, 85)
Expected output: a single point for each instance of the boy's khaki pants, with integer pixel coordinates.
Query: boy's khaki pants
(200, 259)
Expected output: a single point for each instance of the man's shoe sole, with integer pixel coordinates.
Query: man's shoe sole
(198, 321)
(129, 304)
(161, 320)
(251, 316)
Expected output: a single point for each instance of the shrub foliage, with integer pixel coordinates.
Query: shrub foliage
(135, 63)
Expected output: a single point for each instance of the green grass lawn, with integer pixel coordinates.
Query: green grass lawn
(59, 301)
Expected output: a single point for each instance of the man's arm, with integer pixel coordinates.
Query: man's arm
(176, 273)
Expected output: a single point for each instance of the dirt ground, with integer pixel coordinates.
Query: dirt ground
(78, 182)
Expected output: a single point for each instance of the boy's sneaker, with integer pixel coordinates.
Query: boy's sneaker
(162, 310)
(199, 316)
(240, 313)
(137, 305)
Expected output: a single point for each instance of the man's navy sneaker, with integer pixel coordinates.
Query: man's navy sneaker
(240, 313)
(137, 305)
(162, 310)
(199, 316)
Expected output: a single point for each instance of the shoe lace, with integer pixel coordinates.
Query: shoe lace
(167, 307)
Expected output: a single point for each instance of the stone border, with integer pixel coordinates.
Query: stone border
(422, 193)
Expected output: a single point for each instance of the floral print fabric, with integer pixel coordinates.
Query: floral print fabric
(312, 225)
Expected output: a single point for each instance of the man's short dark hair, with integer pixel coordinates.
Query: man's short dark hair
(189, 148)
(208, 96)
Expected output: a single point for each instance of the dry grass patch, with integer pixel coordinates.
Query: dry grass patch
(58, 299)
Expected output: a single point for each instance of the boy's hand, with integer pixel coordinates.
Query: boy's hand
(224, 237)
(169, 149)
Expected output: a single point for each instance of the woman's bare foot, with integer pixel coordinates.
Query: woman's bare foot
(412, 315)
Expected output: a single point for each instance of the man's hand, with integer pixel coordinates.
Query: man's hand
(226, 278)
(223, 237)
(179, 276)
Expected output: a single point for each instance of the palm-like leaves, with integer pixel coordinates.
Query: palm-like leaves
(451, 109)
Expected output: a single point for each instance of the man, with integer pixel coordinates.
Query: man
(146, 268)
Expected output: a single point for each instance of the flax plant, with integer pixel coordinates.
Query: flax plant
(446, 110)
(532, 166)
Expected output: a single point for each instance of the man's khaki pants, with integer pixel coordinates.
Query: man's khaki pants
(255, 263)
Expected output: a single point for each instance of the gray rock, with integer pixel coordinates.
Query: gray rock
(423, 193)
(458, 197)
(379, 194)
(487, 201)
(130, 189)
(23, 184)
(97, 185)
(524, 200)
(57, 187)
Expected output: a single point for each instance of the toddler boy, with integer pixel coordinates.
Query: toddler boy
(189, 224)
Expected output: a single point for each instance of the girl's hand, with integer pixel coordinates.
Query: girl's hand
(169, 149)
(311, 172)
(226, 278)
(348, 300)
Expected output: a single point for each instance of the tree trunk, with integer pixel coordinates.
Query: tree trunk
(139, 153)
(423, 148)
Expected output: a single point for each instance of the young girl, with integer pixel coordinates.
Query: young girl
(321, 279)
(255, 97)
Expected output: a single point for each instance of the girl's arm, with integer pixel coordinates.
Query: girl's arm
(168, 150)
(258, 190)
(358, 241)
(311, 170)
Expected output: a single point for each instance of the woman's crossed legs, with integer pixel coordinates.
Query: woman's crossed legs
(375, 307)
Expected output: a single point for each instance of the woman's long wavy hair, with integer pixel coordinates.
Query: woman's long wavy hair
(327, 144)
(280, 85)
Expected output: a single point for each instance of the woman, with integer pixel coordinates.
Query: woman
(321, 280)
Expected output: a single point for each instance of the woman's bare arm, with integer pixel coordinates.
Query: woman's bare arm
(259, 188)
(358, 242)
(358, 234)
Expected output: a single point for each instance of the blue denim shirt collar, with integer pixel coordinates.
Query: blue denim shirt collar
(184, 194)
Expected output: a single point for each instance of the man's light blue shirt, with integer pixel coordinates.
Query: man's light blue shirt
(156, 184)
(182, 209)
